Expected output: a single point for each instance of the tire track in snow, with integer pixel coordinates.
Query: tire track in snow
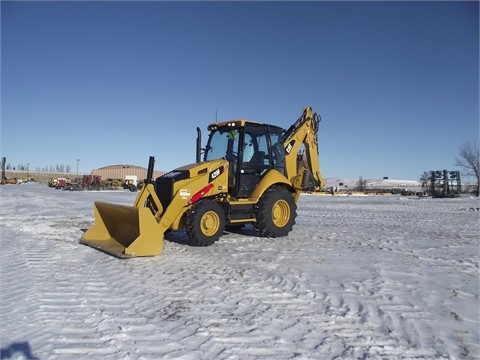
(237, 299)
(264, 306)
(37, 262)
(407, 260)
(278, 310)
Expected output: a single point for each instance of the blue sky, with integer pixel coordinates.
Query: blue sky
(396, 83)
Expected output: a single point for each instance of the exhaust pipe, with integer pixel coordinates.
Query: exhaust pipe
(151, 165)
(199, 145)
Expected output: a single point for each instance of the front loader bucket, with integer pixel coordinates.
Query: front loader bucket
(124, 231)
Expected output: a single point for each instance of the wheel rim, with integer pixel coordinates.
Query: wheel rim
(280, 213)
(210, 223)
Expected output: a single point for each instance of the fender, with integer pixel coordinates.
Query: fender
(272, 177)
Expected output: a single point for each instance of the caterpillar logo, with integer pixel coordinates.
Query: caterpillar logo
(289, 147)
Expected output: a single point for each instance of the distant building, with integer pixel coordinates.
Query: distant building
(123, 172)
(375, 185)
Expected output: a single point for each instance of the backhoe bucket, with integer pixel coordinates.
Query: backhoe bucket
(124, 231)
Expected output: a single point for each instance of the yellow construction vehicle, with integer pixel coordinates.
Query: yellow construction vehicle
(250, 173)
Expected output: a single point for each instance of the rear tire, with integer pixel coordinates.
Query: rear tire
(205, 222)
(275, 213)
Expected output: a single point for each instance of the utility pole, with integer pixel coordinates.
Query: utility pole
(78, 160)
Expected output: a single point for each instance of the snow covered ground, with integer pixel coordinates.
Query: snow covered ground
(378, 277)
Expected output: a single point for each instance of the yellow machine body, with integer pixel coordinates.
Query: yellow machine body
(138, 230)
(204, 197)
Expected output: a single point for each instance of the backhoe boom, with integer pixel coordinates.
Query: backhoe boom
(301, 167)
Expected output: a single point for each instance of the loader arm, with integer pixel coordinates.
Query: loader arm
(303, 132)
(138, 230)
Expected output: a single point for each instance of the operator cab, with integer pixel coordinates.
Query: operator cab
(251, 149)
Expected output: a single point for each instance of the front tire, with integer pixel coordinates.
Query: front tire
(205, 222)
(275, 213)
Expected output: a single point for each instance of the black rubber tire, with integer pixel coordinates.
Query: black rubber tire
(205, 222)
(275, 213)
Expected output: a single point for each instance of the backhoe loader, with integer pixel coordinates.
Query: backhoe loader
(250, 173)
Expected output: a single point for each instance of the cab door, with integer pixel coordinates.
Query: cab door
(255, 158)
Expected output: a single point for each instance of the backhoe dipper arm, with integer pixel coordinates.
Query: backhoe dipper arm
(304, 131)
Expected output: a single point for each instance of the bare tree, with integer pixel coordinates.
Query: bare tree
(361, 184)
(67, 168)
(469, 161)
(425, 179)
(425, 176)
